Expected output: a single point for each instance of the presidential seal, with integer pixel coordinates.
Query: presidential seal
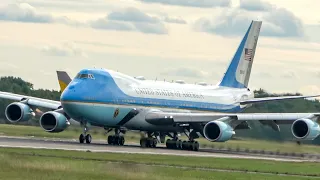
(116, 113)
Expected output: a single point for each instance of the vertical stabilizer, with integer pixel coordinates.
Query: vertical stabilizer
(63, 79)
(238, 72)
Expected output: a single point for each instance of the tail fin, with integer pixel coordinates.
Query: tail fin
(63, 79)
(238, 72)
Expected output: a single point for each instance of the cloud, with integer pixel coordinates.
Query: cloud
(255, 5)
(277, 22)
(174, 20)
(312, 32)
(132, 15)
(111, 25)
(289, 74)
(23, 12)
(130, 19)
(316, 74)
(185, 72)
(66, 49)
(192, 3)
(264, 75)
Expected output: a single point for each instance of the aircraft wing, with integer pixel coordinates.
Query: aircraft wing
(33, 101)
(167, 118)
(259, 100)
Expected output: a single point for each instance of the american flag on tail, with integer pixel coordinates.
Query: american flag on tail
(248, 54)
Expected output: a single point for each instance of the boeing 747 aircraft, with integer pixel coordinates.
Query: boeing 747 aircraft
(112, 100)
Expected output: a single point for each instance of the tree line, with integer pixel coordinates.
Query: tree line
(257, 131)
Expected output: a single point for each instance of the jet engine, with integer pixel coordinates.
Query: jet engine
(18, 112)
(305, 129)
(218, 131)
(54, 122)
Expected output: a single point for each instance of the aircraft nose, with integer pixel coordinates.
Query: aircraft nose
(67, 94)
(64, 95)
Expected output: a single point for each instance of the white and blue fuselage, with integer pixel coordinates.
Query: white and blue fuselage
(95, 94)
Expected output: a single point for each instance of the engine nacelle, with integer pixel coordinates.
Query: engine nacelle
(18, 112)
(218, 131)
(305, 129)
(54, 122)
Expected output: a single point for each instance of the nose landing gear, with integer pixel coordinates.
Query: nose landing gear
(84, 137)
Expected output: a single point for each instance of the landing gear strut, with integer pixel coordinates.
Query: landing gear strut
(116, 139)
(84, 137)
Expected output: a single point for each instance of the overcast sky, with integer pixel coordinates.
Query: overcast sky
(191, 40)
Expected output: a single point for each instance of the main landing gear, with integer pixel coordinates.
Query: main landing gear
(116, 139)
(183, 145)
(84, 137)
(149, 141)
(174, 143)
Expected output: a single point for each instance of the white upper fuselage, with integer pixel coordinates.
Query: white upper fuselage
(177, 91)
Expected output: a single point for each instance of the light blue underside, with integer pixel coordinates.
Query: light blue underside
(99, 115)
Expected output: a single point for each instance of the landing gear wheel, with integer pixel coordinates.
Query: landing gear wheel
(81, 138)
(185, 145)
(121, 140)
(110, 139)
(195, 146)
(88, 138)
(148, 142)
(116, 140)
(154, 144)
(179, 144)
(143, 143)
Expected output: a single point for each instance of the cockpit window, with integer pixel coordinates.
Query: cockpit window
(84, 76)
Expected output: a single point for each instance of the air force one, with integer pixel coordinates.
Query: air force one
(112, 100)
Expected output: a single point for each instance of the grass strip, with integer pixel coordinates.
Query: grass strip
(261, 166)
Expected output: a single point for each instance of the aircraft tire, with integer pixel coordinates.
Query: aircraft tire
(110, 140)
(143, 142)
(81, 138)
(196, 146)
(185, 145)
(116, 140)
(88, 138)
(153, 142)
(179, 144)
(122, 140)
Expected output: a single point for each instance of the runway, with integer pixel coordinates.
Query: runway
(99, 146)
